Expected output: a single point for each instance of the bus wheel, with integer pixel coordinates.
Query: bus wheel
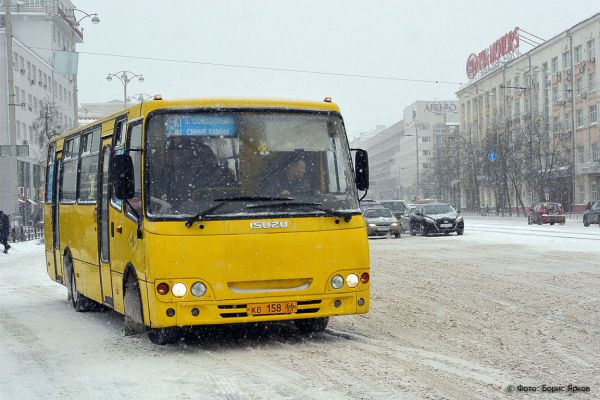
(132, 304)
(80, 302)
(311, 325)
(162, 336)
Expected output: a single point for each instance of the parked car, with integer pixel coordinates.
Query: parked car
(396, 206)
(437, 218)
(592, 216)
(381, 222)
(546, 213)
(407, 217)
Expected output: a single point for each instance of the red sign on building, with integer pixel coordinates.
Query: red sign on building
(492, 56)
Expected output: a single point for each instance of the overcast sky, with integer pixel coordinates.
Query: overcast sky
(420, 40)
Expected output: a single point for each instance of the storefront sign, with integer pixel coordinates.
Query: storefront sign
(491, 58)
(440, 107)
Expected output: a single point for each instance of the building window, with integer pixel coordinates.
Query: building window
(425, 165)
(591, 48)
(555, 124)
(592, 81)
(426, 152)
(425, 139)
(581, 194)
(568, 120)
(566, 59)
(579, 118)
(580, 153)
(555, 95)
(594, 190)
(577, 54)
(593, 114)
(594, 155)
(554, 65)
(579, 86)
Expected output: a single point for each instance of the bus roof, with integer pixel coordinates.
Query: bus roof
(147, 106)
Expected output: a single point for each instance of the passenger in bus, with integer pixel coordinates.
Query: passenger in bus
(195, 173)
(293, 182)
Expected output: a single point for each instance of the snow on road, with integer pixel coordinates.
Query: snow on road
(451, 318)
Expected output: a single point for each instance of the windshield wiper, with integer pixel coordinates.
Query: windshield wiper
(315, 206)
(226, 200)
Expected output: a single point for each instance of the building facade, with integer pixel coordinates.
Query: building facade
(411, 159)
(44, 100)
(529, 125)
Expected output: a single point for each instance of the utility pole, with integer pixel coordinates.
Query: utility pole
(12, 119)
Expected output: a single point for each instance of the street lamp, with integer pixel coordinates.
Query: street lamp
(95, 20)
(140, 97)
(125, 77)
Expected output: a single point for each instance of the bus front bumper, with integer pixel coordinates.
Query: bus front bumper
(185, 313)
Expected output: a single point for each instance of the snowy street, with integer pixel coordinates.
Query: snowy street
(451, 318)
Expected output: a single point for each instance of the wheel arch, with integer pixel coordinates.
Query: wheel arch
(128, 275)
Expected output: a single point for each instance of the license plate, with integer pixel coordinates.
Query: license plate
(287, 307)
(446, 225)
(383, 228)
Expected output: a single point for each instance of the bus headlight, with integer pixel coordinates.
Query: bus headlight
(179, 289)
(352, 280)
(372, 225)
(337, 281)
(198, 289)
(394, 224)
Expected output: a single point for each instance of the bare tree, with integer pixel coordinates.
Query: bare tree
(45, 124)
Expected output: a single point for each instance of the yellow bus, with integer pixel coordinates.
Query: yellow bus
(178, 213)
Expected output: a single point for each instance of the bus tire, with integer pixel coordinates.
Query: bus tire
(311, 325)
(132, 304)
(162, 336)
(80, 302)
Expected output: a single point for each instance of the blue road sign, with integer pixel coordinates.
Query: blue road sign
(492, 156)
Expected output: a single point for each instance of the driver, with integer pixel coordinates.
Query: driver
(294, 181)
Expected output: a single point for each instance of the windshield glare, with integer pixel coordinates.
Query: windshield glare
(194, 159)
(437, 209)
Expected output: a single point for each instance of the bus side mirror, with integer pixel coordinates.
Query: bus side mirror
(361, 167)
(122, 176)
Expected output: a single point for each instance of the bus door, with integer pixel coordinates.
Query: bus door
(103, 223)
(125, 216)
(50, 228)
(58, 261)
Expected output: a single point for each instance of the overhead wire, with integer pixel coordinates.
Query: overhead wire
(263, 68)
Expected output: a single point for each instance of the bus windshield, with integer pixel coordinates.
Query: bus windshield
(195, 159)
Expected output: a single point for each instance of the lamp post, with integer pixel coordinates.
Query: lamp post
(125, 77)
(140, 97)
(95, 20)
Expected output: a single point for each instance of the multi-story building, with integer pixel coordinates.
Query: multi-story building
(383, 146)
(409, 160)
(39, 29)
(529, 121)
(426, 148)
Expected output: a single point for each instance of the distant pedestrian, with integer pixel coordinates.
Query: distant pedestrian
(589, 205)
(4, 227)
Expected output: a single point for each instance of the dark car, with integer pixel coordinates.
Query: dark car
(407, 217)
(546, 213)
(592, 216)
(396, 206)
(381, 222)
(437, 218)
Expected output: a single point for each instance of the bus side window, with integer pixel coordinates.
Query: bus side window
(134, 148)
(118, 148)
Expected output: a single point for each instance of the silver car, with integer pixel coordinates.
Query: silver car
(381, 222)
